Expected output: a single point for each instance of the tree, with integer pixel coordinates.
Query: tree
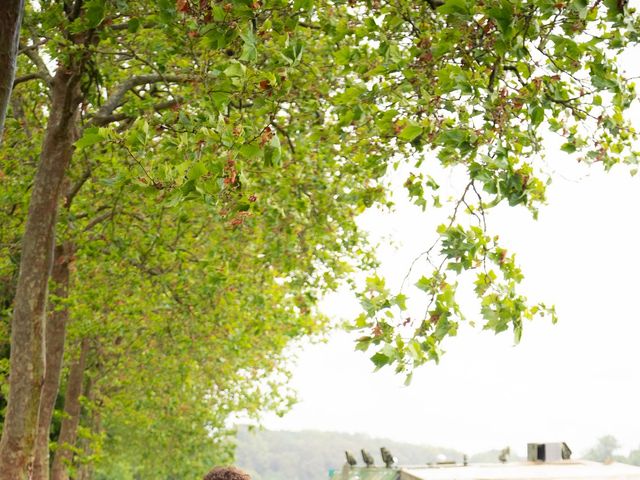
(475, 84)
(291, 256)
(11, 13)
(166, 381)
(280, 120)
(634, 457)
(604, 450)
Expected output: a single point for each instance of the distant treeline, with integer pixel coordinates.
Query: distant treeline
(311, 455)
(607, 449)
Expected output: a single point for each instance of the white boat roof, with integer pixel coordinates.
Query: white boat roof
(565, 470)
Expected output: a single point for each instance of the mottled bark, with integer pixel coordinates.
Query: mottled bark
(11, 12)
(27, 325)
(71, 419)
(55, 333)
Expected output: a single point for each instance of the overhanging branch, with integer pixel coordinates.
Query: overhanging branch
(101, 121)
(105, 113)
(32, 54)
(26, 78)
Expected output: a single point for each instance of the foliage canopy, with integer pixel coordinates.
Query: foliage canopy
(215, 158)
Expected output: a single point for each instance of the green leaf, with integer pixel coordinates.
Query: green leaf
(580, 6)
(455, 7)
(425, 284)
(453, 137)
(401, 301)
(133, 25)
(249, 49)
(91, 136)
(196, 171)
(220, 99)
(537, 115)
(503, 16)
(272, 152)
(380, 360)
(302, 4)
(250, 151)
(235, 69)
(410, 132)
(94, 11)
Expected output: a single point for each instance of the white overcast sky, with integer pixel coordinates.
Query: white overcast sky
(573, 382)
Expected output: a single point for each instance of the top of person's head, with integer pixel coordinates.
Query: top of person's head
(226, 473)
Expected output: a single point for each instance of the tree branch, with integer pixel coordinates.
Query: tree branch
(101, 121)
(308, 25)
(99, 219)
(23, 48)
(75, 188)
(494, 72)
(115, 99)
(26, 78)
(32, 54)
(124, 26)
(74, 9)
(286, 135)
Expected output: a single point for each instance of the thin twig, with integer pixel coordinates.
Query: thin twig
(286, 135)
(135, 159)
(99, 219)
(435, 243)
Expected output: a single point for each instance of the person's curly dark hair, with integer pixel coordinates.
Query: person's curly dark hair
(227, 473)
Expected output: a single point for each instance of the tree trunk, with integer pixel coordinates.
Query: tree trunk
(86, 470)
(72, 407)
(55, 333)
(27, 325)
(11, 12)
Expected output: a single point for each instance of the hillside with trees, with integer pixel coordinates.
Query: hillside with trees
(311, 455)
